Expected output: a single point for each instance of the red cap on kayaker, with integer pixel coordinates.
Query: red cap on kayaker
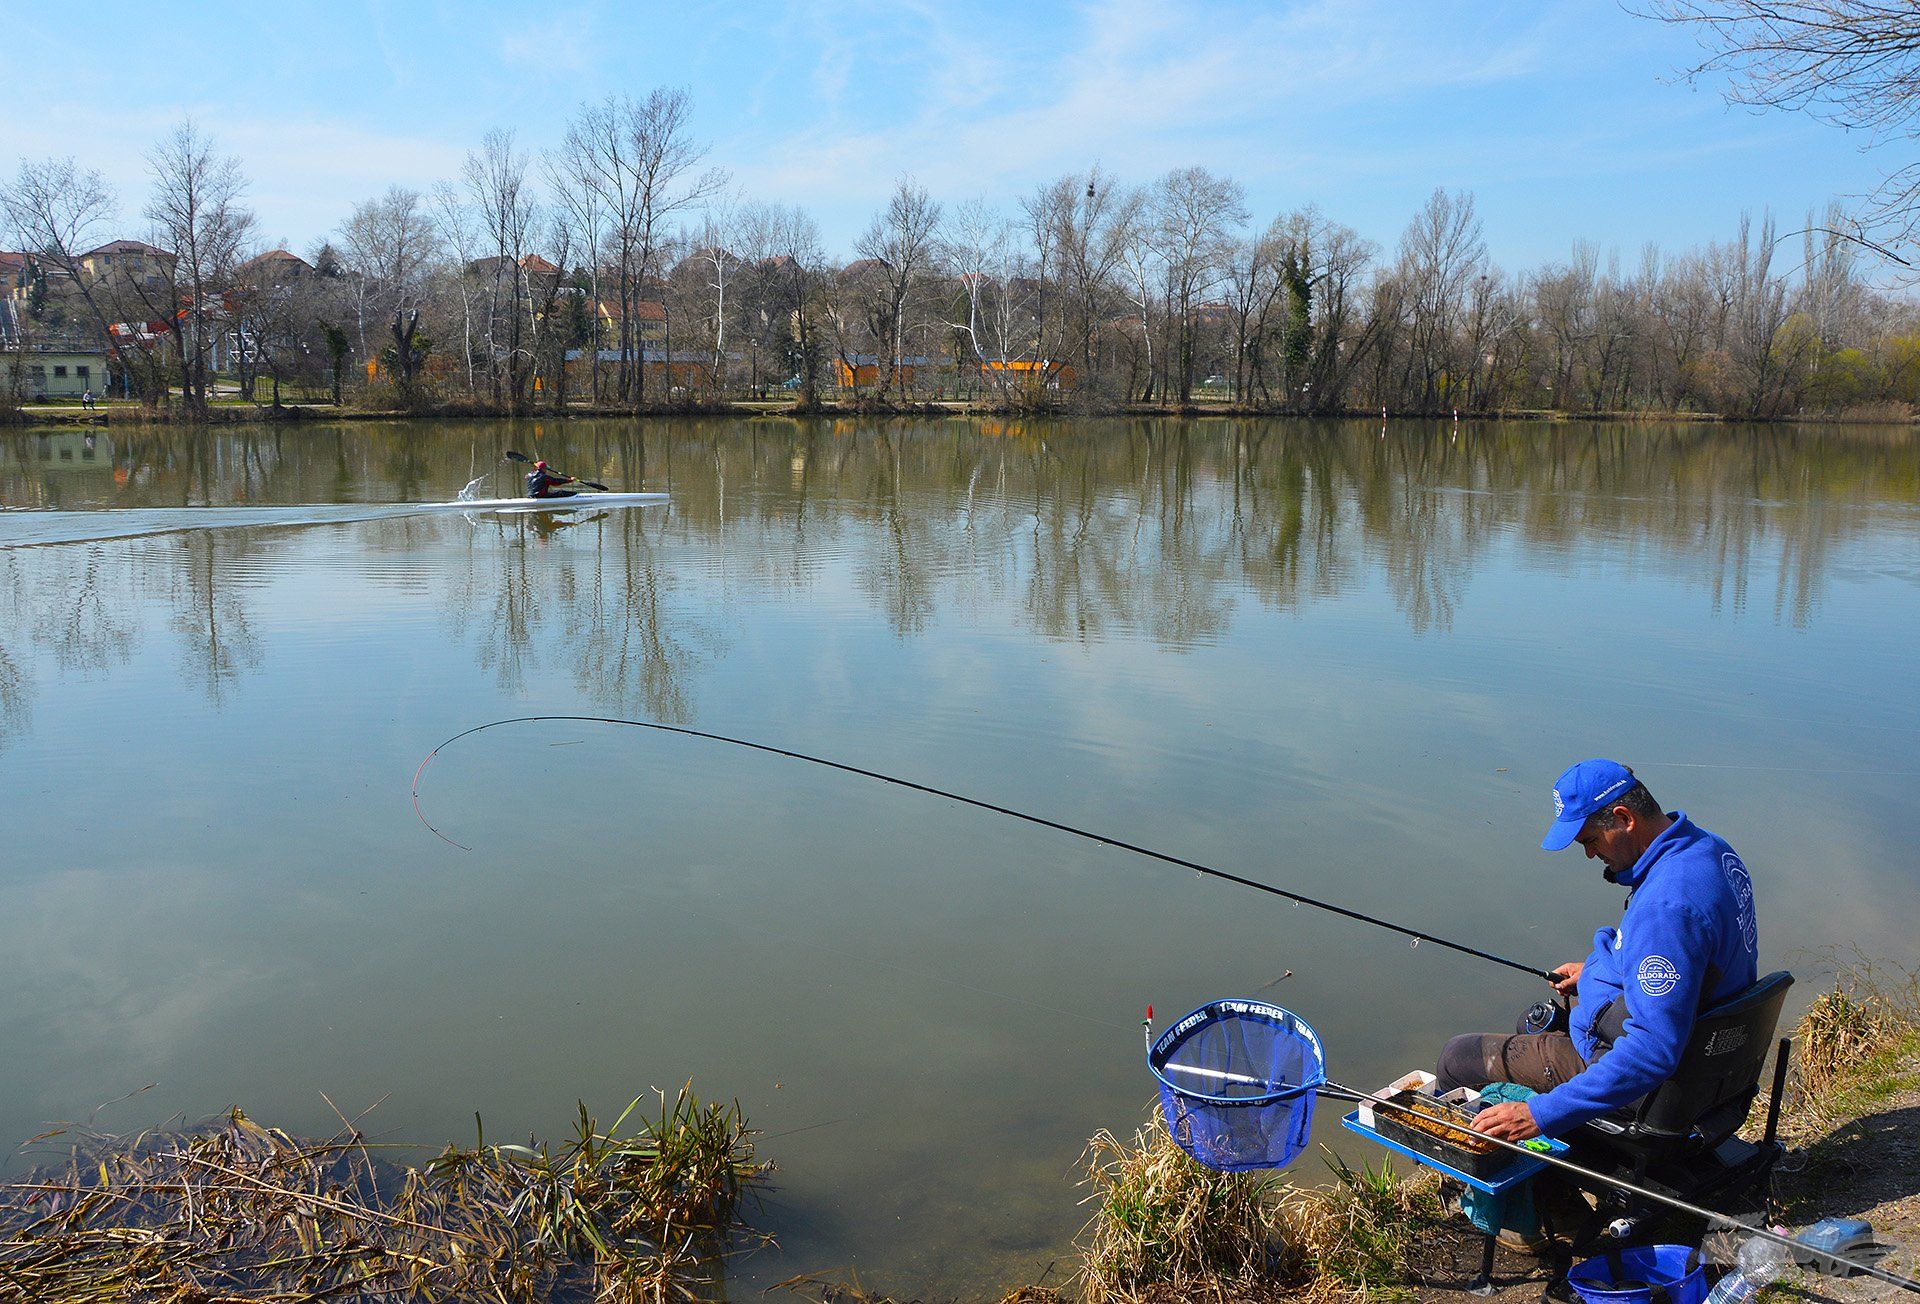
(539, 466)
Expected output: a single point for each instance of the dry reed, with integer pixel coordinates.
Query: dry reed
(236, 1212)
(1162, 1220)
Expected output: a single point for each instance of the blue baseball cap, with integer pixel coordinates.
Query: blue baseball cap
(1577, 794)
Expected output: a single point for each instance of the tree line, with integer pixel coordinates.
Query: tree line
(621, 270)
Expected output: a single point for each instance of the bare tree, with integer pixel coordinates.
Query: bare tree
(1139, 257)
(641, 160)
(571, 182)
(196, 211)
(1761, 308)
(1194, 215)
(1855, 63)
(457, 228)
(719, 228)
(496, 183)
(1440, 254)
(1255, 284)
(901, 241)
(800, 265)
(977, 250)
(386, 245)
(58, 212)
(1091, 235)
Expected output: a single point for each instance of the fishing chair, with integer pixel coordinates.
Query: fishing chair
(1681, 1138)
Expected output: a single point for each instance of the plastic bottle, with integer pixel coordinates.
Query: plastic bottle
(1760, 1262)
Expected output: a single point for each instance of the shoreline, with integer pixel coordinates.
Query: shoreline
(1163, 1229)
(301, 414)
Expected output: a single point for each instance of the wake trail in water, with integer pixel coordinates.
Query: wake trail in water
(41, 529)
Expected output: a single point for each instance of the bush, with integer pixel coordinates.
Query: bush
(1160, 1219)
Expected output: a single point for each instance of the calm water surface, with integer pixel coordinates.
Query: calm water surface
(1346, 660)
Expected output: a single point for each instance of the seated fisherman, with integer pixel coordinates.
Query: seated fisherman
(1687, 941)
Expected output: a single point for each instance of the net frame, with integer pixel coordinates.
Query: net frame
(1236, 1130)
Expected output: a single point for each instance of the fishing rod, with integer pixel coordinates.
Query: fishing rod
(1712, 1218)
(1316, 1082)
(1297, 898)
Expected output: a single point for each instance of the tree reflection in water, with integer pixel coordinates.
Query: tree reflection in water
(1079, 530)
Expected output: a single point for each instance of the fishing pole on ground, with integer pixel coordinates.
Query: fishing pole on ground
(513, 456)
(1297, 898)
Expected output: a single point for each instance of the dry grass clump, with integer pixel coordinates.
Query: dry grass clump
(1364, 1233)
(1850, 1046)
(240, 1213)
(1165, 1227)
(1839, 1031)
(1162, 1220)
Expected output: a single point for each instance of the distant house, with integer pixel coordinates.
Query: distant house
(649, 322)
(22, 274)
(132, 259)
(532, 266)
(274, 267)
(42, 373)
(863, 370)
(1029, 375)
(16, 275)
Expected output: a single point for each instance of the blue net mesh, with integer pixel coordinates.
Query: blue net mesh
(1237, 1083)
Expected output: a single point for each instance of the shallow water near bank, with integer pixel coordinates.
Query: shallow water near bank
(1345, 660)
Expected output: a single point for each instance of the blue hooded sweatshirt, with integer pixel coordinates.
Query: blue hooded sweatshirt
(1688, 941)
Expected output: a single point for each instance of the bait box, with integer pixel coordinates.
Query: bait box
(1487, 1167)
(1460, 1152)
(1418, 1080)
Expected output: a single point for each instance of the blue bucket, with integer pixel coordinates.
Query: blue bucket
(1674, 1268)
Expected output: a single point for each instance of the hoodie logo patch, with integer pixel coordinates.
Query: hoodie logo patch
(1741, 885)
(1658, 976)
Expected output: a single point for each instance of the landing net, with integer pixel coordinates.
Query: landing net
(1237, 1081)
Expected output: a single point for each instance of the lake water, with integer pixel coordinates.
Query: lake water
(1346, 660)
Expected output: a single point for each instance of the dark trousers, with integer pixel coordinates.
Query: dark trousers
(1541, 1060)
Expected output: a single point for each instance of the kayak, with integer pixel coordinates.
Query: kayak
(575, 503)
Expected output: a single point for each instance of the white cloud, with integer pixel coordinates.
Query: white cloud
(1142, 86)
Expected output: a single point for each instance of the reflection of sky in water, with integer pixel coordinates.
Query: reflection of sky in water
(1350, 664)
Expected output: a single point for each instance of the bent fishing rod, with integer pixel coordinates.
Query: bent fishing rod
(1207, 870)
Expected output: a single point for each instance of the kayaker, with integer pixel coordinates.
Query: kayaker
(542, 480)
(1688, 940)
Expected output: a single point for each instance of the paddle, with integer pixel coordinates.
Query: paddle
(522, 457)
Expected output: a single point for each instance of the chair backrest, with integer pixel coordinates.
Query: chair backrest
(1719, 1072)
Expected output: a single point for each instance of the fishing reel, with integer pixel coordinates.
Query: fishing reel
(1545, 1016)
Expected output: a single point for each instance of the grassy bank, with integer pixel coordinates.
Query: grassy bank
(252, 413)
(651, 1209)
(1163, 1228)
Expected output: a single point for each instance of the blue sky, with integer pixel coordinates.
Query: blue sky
(1566, 118)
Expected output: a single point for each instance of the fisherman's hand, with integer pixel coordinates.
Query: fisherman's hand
(1568, 976)
(1512, 1121)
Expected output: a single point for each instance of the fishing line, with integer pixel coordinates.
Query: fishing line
(1297, 898)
